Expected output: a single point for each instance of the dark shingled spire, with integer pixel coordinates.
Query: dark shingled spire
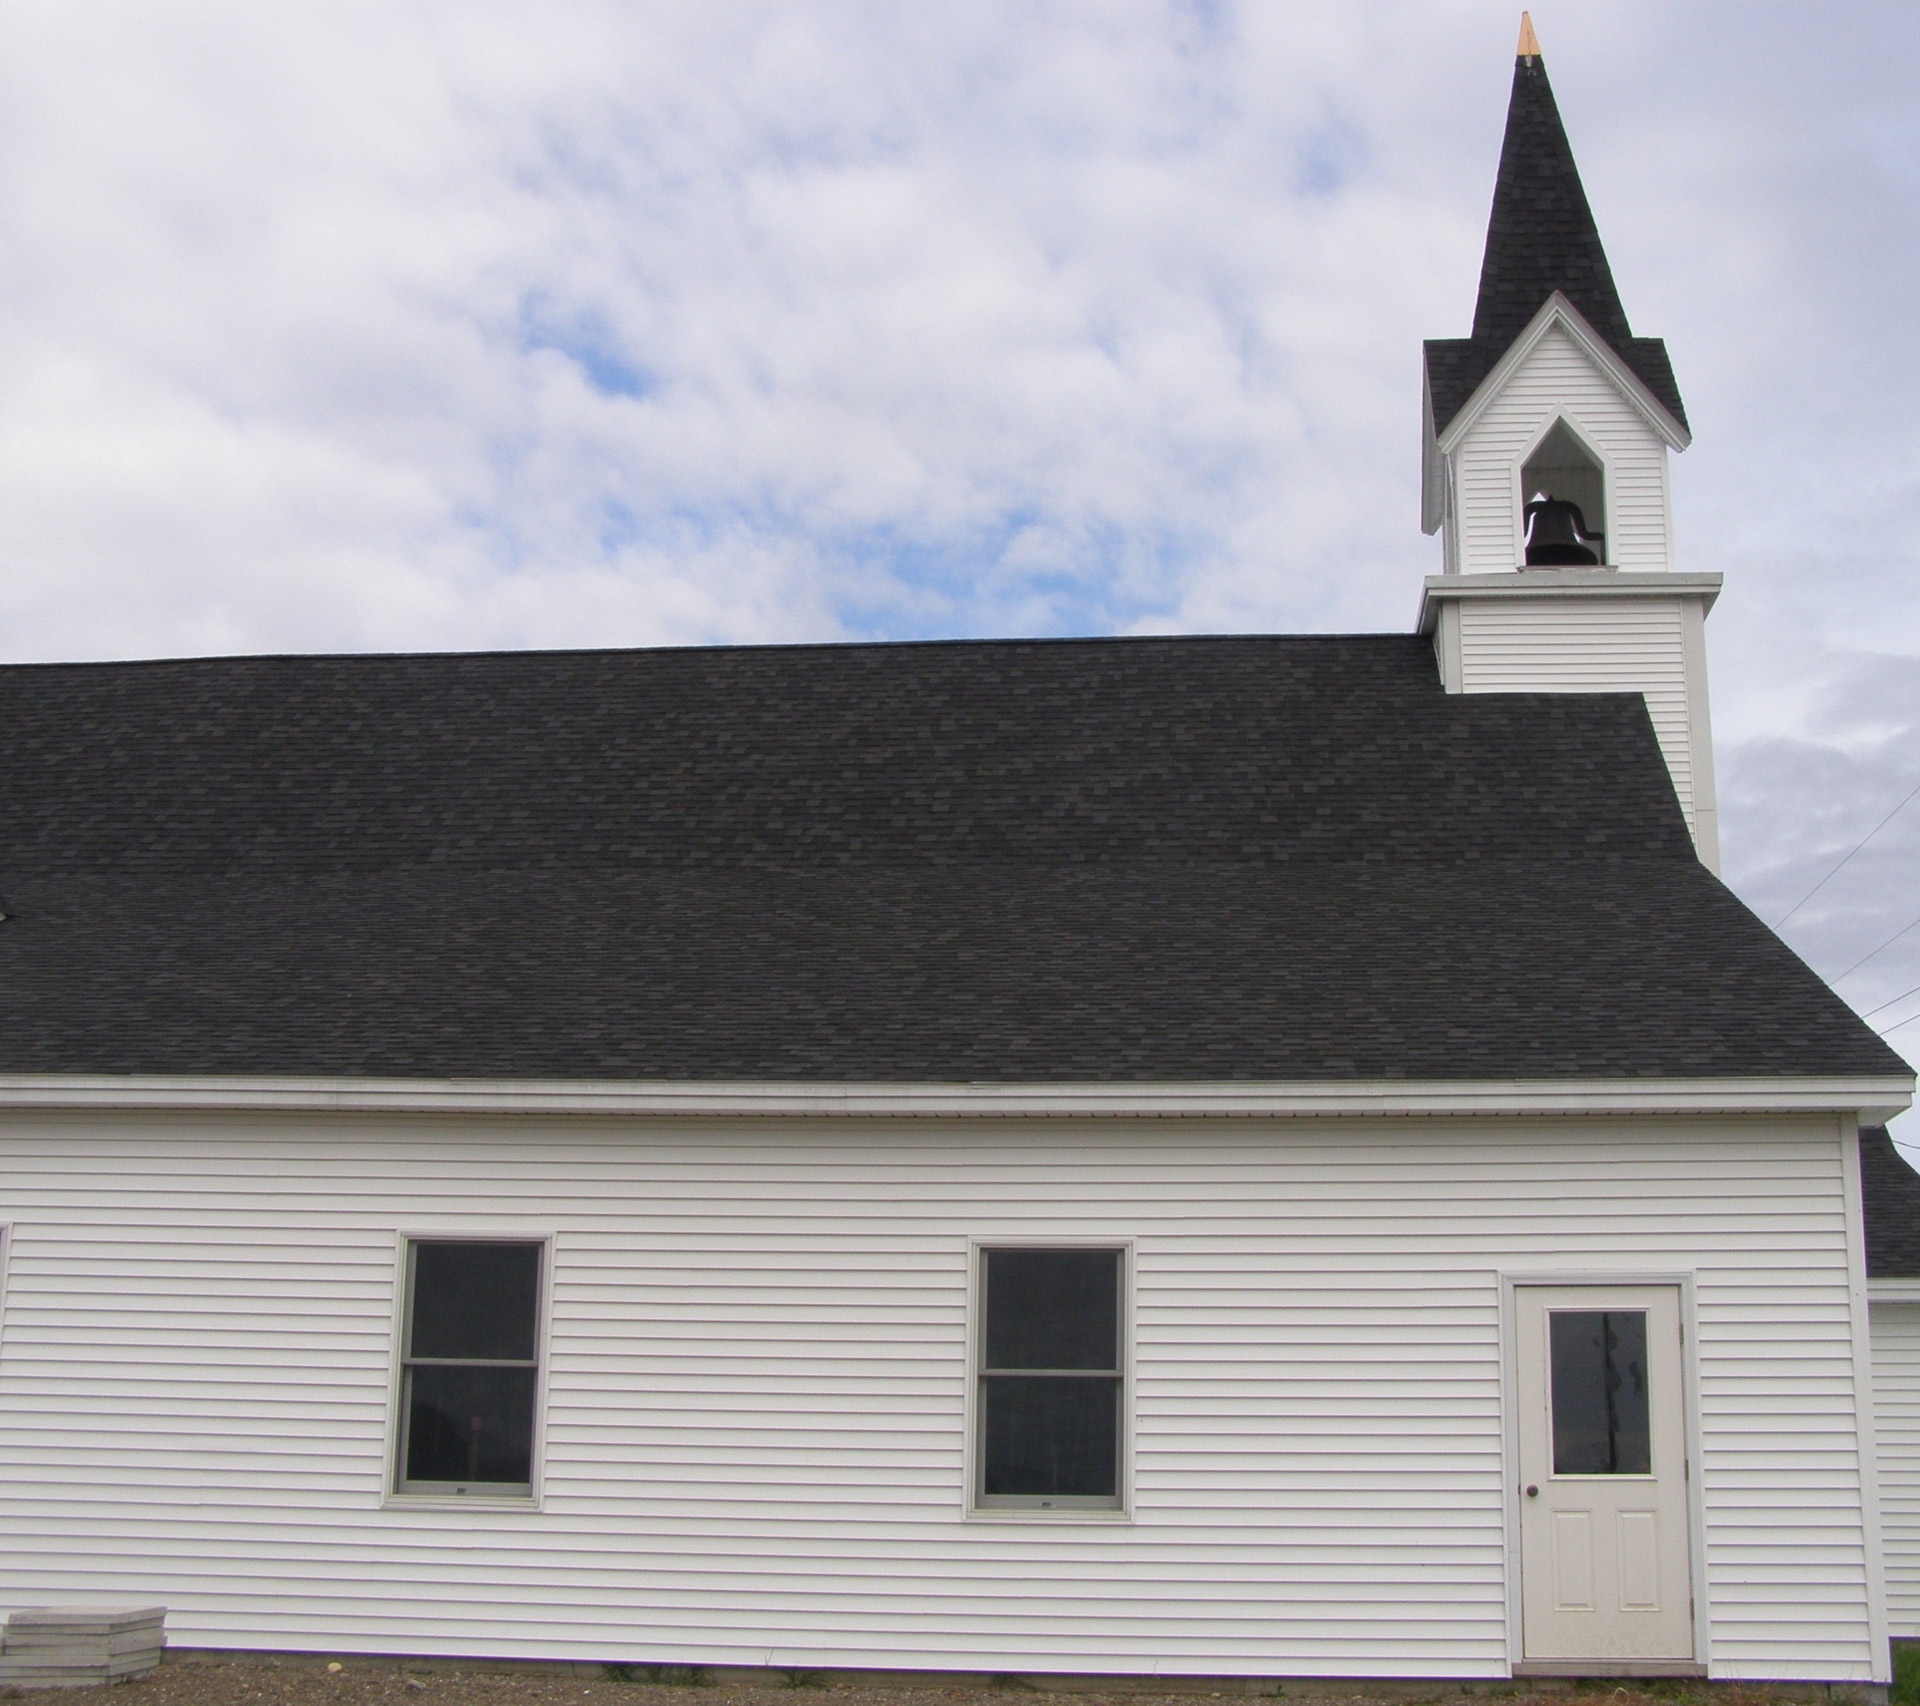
(1540, 238)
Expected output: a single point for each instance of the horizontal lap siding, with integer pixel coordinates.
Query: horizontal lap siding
(1558, 377)
(1896, 1397)
(1614, 645)
(756, 1386)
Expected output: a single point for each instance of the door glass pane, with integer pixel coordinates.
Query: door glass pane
(1053, 1309)
(470, 1424)
(475, 1301)
(1600, 1422)
(1051, 1436)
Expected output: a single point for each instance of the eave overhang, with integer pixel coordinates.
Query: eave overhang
(1873, 1100)
(1557, 310)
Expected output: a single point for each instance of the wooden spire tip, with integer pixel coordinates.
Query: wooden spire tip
(1529, 42)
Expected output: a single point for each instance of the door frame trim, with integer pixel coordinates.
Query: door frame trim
(1511, 1281)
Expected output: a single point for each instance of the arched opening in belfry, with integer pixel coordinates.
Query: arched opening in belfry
(1563, 489)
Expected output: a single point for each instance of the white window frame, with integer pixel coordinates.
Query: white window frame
(450, 1495)
(1031, 1508)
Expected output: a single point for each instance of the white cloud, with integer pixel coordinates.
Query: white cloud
(340, 304)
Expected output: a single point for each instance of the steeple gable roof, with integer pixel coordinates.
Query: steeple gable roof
(1541, 237)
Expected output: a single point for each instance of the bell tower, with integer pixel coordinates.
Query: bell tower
(1545, 470)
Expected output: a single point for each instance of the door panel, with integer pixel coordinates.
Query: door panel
(1604, 1549)
(1639, 1549)
(1572, 1561)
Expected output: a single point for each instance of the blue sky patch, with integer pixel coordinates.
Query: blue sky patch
(585, 339)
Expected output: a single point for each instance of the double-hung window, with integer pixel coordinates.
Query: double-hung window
(470, 1367)
(1050, 1415)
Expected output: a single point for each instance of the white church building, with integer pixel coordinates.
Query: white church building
(1249, 1158)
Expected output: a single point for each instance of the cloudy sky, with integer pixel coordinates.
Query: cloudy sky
(387, 325)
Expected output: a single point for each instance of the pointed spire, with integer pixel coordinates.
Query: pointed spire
(1541, 236)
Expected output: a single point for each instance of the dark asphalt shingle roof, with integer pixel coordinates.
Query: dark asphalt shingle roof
(1541, 237)
(1891, 1189)
(1009, 861)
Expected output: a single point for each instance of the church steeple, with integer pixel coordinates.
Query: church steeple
(1541, 238)
(1545, 468)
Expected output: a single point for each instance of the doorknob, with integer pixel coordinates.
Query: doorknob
(1533, 1492)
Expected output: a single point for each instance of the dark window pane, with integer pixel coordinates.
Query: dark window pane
(1053, 1309)
(475, 1300)
(1600, 1392)
(470, 1424)
(1051, 1436)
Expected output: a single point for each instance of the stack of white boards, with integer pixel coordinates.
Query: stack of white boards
(51, 1648)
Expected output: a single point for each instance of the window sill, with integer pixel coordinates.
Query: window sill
(1057, 1514)
(520, 1502)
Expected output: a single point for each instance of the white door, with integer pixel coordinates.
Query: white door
(1603, 1475)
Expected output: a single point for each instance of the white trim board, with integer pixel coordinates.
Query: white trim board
(1873, 1099)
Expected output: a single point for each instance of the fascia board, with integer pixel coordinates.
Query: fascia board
(1874, 1100)
(1557, 310)
(1563, 583)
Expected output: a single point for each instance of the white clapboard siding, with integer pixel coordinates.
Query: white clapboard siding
(1557, 377)
(1896, 1398)
(756, 1385)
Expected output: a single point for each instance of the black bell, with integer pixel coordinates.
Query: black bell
(1557, 537)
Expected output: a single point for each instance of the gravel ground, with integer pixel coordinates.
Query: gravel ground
(267, 1682)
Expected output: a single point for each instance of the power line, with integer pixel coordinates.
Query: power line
(1895, 1002)
(1822, 883)
(1888, 943)
(1892, 1028)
